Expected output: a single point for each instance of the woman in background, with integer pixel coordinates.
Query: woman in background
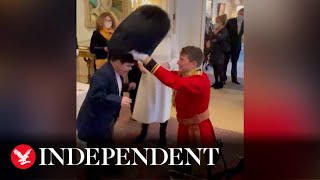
(105, 26)
(157, 107)
(218, 45)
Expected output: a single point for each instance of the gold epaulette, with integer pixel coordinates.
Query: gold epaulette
(198, 73)
(193, 72)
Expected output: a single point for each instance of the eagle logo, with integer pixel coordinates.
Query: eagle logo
(23, 156)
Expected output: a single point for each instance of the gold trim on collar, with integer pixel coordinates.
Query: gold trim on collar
(193, 72)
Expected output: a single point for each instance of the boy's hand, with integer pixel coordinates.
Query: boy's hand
(125, 102)
(132, 86)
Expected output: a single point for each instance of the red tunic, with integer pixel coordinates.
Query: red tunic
(192, 98)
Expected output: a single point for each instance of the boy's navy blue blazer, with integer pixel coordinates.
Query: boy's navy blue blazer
(101, 106)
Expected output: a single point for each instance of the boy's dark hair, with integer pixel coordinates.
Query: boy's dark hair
(194, 54)
(124, 58)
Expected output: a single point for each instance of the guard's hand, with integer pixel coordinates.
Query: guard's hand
(125, 102)
(106, 49)
(132, 86)
(142, 68)
(138, 56)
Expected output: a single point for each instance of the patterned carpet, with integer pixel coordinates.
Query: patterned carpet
(126, 130)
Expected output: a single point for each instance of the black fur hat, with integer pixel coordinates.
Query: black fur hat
(142, 30)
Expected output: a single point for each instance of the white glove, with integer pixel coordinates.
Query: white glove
(138, 56)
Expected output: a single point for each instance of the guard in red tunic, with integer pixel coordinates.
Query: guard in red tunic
(191, 96)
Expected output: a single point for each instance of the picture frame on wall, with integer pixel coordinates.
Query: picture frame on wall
(119, 8)
(93, 9)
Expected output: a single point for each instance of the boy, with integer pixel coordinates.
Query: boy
(101, 106)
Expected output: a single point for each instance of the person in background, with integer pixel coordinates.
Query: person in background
(208, 32)
(218, 46)
(105, 26)
(157, 107)
(235, 28)
(134, 76)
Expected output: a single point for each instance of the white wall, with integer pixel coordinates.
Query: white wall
(190, 19)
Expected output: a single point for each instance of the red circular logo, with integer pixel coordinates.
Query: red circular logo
(23, 156)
